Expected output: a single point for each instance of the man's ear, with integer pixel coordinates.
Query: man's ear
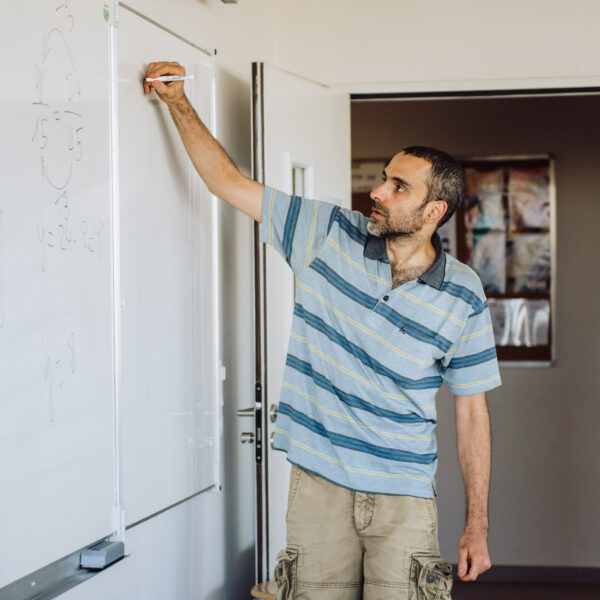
(435, 211)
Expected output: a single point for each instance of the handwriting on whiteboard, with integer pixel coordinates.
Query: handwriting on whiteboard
(58, 128)
(65, 227)
(57, 368)
(66, 237)
(59, 136)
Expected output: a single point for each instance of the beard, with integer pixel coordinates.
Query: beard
(396, 226)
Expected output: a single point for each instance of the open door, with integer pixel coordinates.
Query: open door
(301, 138)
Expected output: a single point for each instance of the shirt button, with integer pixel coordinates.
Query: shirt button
(386, 298)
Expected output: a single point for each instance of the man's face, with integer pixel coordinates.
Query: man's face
(399, 202)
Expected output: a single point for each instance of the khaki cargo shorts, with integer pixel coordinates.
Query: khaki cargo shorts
(345, 545)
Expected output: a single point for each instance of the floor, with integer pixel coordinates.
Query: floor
(525, 591)
(497, 591)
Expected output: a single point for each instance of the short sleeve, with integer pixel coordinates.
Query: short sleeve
(471, 366)
(296, 227)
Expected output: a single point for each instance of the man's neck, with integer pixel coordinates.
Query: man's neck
(410, 256)
(410, 251)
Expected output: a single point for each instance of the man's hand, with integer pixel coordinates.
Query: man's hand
(171, 92)
(473, 555)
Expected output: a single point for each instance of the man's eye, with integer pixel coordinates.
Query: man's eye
(399, 188)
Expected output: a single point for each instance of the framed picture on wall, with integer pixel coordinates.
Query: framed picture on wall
(505, 231)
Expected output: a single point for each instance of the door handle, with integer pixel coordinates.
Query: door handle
(247, 437)
(245, 412)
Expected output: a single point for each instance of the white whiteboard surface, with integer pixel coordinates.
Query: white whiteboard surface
(167, 283)
(57, 460)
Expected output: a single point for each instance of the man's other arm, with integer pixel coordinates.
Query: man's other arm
(474, 456)
(213, 164)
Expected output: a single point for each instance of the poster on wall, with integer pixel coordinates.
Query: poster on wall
(504, 231)
(485, 227)
(529, 263)
(520, 322)
(529, 198)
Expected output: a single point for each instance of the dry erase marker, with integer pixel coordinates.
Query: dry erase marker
(170, 78)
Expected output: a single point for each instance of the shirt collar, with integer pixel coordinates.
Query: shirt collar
(434, 276)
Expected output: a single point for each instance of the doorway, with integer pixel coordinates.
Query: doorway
(529, 500)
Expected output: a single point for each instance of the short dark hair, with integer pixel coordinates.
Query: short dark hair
(447, 178)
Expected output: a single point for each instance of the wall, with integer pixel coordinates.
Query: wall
(204, 548)
(545, 484)
(395, 45)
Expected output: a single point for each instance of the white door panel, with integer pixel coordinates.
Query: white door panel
(306, 125)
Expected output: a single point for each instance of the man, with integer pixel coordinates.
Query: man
(382, 317)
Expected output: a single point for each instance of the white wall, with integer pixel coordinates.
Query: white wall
(545, 481)
(395, 45)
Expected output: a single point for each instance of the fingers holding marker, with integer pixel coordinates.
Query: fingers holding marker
(163, 70)
(149, 70)
(156, 69)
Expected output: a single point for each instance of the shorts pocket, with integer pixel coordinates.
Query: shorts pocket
(430, 577)
(285, 574)
(295, 476)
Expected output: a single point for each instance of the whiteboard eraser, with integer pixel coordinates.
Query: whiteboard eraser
(101, 555)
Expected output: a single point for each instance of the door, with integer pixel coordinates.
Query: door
(301, 146)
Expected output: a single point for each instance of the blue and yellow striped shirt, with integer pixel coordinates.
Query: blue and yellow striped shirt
(365, 360)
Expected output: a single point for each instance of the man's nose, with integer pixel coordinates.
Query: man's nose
(378, 193)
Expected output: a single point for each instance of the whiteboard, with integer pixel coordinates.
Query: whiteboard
(57, 450)
(109, 388)
(168, 281)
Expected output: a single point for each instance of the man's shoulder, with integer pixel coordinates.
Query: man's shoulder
(347, 226)
(355, 218)
(458, 273)
(344, 216)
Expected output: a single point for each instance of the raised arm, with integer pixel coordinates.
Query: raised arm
(474, 456)
(208, 157)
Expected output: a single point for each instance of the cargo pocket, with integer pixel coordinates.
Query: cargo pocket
(430, 577)
(285, 574)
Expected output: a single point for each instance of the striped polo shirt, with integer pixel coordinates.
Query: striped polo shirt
(365, 360)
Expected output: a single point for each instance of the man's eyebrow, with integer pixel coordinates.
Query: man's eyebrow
(400, 180)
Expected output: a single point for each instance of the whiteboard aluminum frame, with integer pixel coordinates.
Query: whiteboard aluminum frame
(208, 51)
(115, 207)
(216, 296)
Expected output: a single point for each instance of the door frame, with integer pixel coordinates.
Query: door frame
(260, 333)
(474, 94)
